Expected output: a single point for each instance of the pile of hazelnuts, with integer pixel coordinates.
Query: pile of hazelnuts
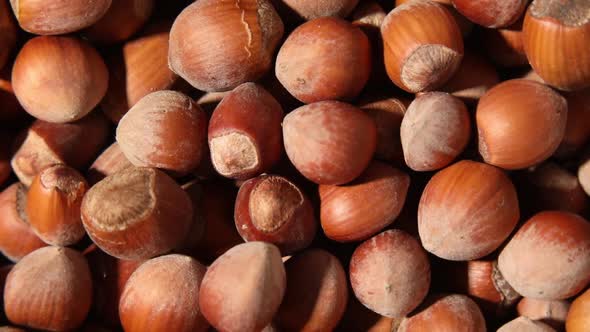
(295, 165)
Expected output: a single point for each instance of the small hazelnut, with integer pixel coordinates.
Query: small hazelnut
(165, 289)
(59, 79)
(390, 273)
(329, 142)
(245, 137)
(49, 289)
(53, 205)
(243, 288)
(137, 213)
(165, 129)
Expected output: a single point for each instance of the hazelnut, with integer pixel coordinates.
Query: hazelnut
(109, 162)
(464, 24)
(329, 142)
(578, 318)
(555, 34)
(311, 9)
(243, 288)
(59, 16)
(435, 130)
(440, 313)
(524, 324)
(165, 289)
(271, 208)
(480, 209)
(364, 207)
(123, 19)
(552, 313)
(317, 292)
(491, 13)
(45, 144)
(136, 213)
(246, 34)
(324, 59)
(577, 130)
(245, 137)
(423, 45)
(48, 81)
(165, 129)
(49, 289)
(548, 257)
(390, 273)
(17, 239)
(520, 123)
(53, 205)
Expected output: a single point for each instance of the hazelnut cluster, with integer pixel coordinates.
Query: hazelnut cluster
(295, 165)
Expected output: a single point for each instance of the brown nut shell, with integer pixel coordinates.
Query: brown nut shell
(578, 318)
(123, 19)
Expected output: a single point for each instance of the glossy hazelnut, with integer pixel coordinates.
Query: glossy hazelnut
(273, 209)
(17, 239)
(505, 46)
(524, 324)
(552, 313)
(362, 208)
(138, 69)
(491, 13)
(324, 59)
(109, 162)
(441, 313)
(165, 129)
(317, 292)
(480, 209)
(45, 144)
(53, 205)
(246, 34)
(49, 289)
(423, 45)
(136, 213)
(577, 130)
(390, 273)
(584, 176)
(552, 187)
(548, 257)
(555, 35)
(58, 17)
(165, 289)
(387, 114)
(435, 130)
(311, 9)
(473, 79)
(520, 123)
(47, 78)
(245, 137)
(8, 33)
(226, 296)
(122, 20)
(578, 318)
(329, 142)
(465, 25)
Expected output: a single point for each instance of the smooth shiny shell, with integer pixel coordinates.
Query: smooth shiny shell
(324, 59)
(245, 34)
(59, 79)
(549, 257)
(556, 36)
(165, 289)
(317, 292)
(49, 289)
(165, 129)
(466, 211)
(390, 273)
(445, 313)
(57, 17)
(520, 123)
(243, 288)
(329, 142)
(360, 209)
(423, 45)
(578, 318)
